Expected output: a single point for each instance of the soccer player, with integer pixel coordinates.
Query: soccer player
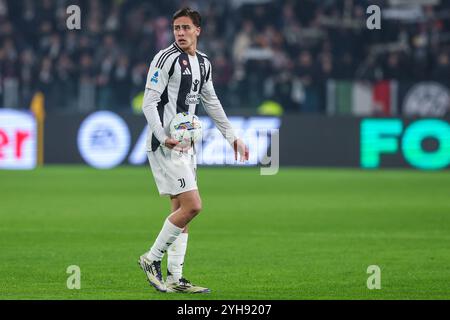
(179, 77)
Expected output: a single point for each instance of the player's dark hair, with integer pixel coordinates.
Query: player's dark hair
(188, 12)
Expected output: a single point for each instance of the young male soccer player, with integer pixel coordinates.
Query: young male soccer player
(179, 77)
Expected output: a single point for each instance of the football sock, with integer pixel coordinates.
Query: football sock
(168, 234)
(175, 258)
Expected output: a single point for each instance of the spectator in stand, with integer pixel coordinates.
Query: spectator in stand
(252, 45)
(121, 84)
(441, 70)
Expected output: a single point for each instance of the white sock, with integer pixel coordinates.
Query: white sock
(175, 258)
(168, 234)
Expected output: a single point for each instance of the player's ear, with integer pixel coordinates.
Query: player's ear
(199, 30)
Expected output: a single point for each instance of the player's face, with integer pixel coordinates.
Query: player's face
(185, 33)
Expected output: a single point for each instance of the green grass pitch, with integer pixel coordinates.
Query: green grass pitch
(301, 234)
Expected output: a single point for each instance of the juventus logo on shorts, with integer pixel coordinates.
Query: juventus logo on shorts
(182, 183)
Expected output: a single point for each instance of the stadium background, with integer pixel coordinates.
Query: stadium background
(343, 97)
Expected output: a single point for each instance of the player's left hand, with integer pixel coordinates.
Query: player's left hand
(240, 147)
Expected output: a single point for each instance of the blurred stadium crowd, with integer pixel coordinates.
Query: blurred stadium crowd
(279, 50)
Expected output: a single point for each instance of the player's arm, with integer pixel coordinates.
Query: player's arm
(214, 109)
(157, 80)
(149, 107)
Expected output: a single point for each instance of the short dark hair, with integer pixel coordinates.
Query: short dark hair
(188, 12)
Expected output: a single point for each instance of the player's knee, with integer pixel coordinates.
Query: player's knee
(195, 208)
(191, 206)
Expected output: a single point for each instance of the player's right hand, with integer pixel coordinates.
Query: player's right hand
(170, 143)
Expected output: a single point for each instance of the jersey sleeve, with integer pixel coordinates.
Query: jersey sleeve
(214, 109)
(158, 74)
(149, 108)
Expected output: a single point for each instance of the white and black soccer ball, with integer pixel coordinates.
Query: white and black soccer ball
(186, 128)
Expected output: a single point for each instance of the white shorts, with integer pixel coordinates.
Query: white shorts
(174, 172)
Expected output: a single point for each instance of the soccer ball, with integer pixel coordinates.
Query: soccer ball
(186, 128)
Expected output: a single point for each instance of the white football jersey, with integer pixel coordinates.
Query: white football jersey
(183, 81)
